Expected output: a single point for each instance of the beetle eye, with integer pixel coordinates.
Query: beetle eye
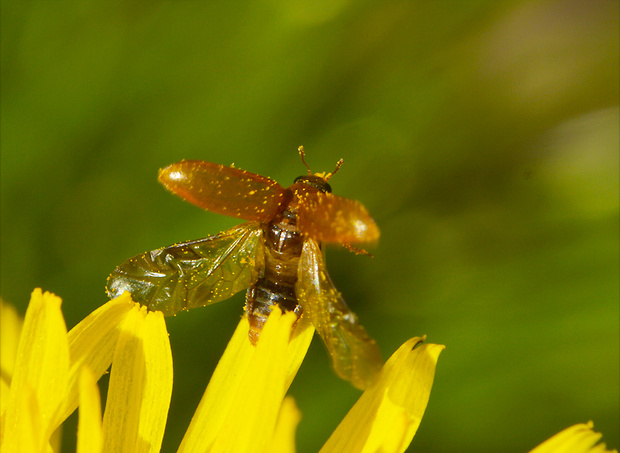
(314, 181)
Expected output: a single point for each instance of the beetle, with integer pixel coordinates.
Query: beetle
(276, 256)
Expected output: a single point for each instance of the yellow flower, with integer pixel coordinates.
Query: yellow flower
(49, 372)
(55, 371)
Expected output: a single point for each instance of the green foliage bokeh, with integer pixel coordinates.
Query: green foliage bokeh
(481, 135)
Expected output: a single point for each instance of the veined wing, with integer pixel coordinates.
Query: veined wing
(355, 356)
(224, 190)
(192, 274)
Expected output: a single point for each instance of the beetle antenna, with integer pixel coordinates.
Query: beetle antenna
(338, 165)
(302, 154)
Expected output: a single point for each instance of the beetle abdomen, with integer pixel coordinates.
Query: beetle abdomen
(283, 245)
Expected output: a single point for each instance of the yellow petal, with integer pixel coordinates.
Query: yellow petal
(39, 382)
(4, 398)
(28, 434)
(239, 409)
(89, 437)
(92, 343)
(388, 413)
(576, 439)
(140, 384)
(10, 328)
(390, 431)
(283, 440)
(55, 443)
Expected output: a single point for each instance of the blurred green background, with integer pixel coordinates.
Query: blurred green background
(483, 136)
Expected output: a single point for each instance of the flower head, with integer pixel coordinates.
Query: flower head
(50, 371)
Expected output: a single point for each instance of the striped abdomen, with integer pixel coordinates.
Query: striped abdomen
(283, 245)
